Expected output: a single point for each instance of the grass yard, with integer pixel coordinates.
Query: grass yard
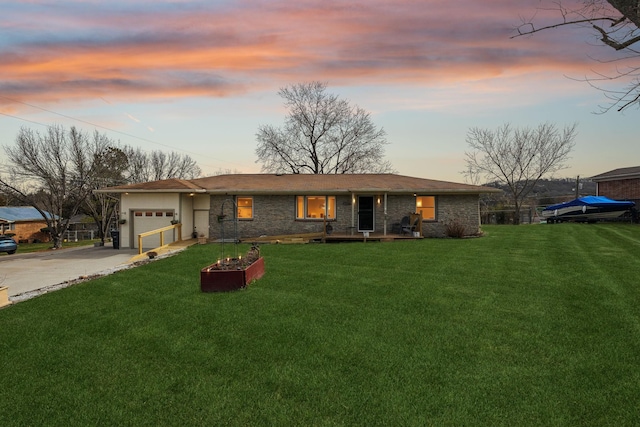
(529, 325)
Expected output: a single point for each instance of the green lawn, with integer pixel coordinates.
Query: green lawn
(529, 325)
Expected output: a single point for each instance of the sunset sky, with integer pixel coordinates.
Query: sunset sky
(199, 77)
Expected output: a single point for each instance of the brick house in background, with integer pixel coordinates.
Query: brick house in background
(24, 223)
(619, 184)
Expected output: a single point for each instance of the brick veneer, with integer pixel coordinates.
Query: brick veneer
(275, 215)
(624, 189)
(30, 231)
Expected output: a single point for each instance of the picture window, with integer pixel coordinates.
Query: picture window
(316, 207)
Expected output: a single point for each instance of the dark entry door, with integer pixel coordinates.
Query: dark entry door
(365, 213)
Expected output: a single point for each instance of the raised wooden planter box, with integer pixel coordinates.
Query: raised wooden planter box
(4, 296)
(212, 280)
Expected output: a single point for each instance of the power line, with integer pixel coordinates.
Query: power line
(20, 118)
(101, 127)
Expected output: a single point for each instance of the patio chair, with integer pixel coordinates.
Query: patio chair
(406, 226)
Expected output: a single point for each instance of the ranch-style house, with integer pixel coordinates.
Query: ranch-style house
(284, 204)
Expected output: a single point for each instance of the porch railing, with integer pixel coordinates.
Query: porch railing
(177, 227)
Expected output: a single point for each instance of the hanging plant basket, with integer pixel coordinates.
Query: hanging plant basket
(230, 275)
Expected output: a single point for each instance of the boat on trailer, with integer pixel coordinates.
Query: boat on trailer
(587, 209)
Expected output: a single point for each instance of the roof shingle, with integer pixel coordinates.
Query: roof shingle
(621, 173)
(20, 213)
(304, 183)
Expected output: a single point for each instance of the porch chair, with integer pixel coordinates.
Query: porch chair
(406, 226)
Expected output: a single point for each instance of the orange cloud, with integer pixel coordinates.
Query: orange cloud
(167, 50)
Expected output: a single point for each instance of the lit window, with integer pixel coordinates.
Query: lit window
(426, 205)
(316, 207)
(245, 207)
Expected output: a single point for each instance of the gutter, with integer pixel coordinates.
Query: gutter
(297, 192)
(137, 190)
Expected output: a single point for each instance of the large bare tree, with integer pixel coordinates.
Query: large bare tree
(518, 158)
(322, 134)
(173, 165)
(616, 23)
(157, 165)
(52, 171)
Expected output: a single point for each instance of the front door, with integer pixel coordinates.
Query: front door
(366, 213)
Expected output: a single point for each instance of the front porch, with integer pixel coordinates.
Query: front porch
(329, 238)
(373, 237)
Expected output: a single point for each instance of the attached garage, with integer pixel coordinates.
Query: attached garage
(152, 219)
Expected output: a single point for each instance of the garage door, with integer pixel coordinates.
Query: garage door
(149, 220)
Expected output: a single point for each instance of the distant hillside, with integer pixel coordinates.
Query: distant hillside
(551, 190)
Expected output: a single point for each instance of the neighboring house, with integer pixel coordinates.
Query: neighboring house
(619, 184)
(291, 204)
(81, 227)
(24, 222)
(82, 222)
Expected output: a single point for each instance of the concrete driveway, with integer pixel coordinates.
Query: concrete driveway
(27, 274)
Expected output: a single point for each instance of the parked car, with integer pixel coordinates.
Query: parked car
(8, 245)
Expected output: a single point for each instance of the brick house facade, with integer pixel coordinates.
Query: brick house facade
(276, 215)
(269, 205)
(619, 184)
(23, 223)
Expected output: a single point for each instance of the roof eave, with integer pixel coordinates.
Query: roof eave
(140, 190)
(615, 177)
(400, 192)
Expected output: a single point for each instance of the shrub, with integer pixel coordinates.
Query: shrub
(455, 229)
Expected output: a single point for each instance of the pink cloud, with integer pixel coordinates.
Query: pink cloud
(167, 52)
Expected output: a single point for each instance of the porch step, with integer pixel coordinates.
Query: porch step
(286, 238)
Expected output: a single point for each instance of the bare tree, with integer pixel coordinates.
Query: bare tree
(158, 165)
(227, 171)
(52, 172)
(57, 171)
(110, 166)
(138, 169)
(617, 25)
(322, 134)
(518, 158)
(173, 165)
